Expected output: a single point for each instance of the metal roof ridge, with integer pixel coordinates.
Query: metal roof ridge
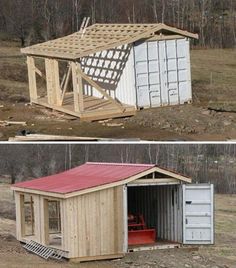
(120, 164)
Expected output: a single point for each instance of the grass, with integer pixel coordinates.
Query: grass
(214, 75)
(220, 63)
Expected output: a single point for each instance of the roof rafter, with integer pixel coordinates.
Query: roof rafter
(100, 37)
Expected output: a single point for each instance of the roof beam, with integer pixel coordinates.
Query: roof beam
(146, 182)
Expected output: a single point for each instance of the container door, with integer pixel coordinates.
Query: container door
(183, 70)
(175, 71)
(198, 214)
(147, 72)
(172, 72)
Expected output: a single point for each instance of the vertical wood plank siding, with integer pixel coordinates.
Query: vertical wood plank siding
(94, 223)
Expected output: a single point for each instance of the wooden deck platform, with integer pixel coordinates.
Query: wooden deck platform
(94, 108)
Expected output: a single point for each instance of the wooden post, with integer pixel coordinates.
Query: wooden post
(37, 218)
(32, 79)
(32, 214)
(57, 87)
(53, 82)
(44, 221)
(20, 215)
(49, 81)
(80, 90)
(77, 88)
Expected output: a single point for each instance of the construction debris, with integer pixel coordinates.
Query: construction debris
(9, 123)
(44, 137)
(114, 124)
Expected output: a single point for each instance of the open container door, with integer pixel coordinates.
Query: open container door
(198, 214)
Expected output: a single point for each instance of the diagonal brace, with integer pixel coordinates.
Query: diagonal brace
(100, 89)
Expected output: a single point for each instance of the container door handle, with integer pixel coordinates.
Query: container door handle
(188, 202)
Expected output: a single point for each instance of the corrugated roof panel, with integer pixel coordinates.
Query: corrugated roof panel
(85, 176)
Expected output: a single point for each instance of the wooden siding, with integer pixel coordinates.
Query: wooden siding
(94, 224)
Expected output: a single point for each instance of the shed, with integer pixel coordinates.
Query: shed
(111, 70)
(104, 210)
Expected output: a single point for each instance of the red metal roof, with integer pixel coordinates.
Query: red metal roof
(85, 176)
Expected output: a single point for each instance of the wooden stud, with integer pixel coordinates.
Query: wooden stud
(49, 80)
(56, 86)
(75, 87)
(37, 218)
(32, 78)
(80, 89)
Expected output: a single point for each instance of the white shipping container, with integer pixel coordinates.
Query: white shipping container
(143, 74)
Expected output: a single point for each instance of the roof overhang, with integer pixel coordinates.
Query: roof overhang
(99, 37)
(173, 178)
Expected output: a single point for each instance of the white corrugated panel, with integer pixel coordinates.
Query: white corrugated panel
(112, 69)
(162, 71)
(198, 214)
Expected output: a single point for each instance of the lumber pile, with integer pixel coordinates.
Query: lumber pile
(10, 123)
(44, 137)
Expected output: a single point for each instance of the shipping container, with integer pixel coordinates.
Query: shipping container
(144, 74)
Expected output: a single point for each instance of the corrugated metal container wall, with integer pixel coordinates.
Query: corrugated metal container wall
(113, 70)
(162, 70)
(161, 207)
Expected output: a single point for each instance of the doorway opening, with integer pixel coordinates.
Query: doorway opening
(154, 216)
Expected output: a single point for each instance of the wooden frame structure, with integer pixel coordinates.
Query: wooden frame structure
(93, 221)
(72, 49)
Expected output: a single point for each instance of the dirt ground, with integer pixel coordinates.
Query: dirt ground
(222, 254)
(212, 116)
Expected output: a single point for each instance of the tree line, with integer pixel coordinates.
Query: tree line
(203, 162)
(40, 20)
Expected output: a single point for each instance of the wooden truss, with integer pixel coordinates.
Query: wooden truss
(100, 37)
(73, 49)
